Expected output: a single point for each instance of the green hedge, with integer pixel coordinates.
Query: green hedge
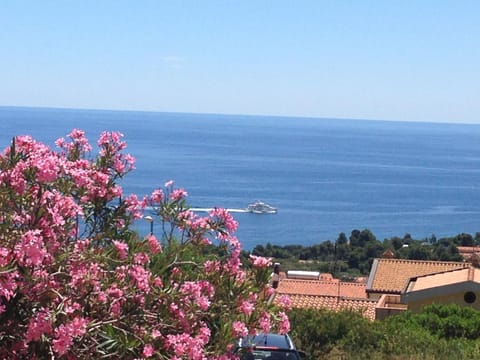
(439, 332)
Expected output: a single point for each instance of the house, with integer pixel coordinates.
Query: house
(468, 252)
(389, 276)
(393, 286)
(458, 286)
(322, 291)
(400, 284)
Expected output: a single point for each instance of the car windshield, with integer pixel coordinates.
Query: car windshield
(257, 354)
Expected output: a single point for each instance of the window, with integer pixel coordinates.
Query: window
(469, 297)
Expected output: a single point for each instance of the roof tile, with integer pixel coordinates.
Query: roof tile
(444, 278)
(391, 275)
(468, 251)
(333, 287)
(334, 303)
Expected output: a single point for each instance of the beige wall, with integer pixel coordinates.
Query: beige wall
(457, 298)
(388, 305)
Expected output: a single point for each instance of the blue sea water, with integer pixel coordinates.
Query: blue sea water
(326, 176)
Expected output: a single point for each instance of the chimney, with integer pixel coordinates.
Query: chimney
(276, 275)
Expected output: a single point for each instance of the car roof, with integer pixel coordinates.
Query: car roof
(267, 340)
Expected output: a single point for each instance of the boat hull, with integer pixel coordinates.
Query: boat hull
(261, 208)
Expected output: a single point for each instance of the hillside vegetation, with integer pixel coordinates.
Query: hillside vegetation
(439, 332)
(353, 256)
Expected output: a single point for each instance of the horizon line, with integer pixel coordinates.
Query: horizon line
(451, 122)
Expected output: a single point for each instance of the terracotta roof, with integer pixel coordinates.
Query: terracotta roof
(333, 287)
(467, 251)
(334, 303)
(444, 278)
(388, 254)
(391, 275)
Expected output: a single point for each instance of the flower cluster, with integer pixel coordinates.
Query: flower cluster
(77, 281)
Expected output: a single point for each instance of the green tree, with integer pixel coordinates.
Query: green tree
(319, 332)
(463, 240)
(342, 239)
(439, 332)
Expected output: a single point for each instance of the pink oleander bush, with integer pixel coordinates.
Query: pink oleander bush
(78, 282)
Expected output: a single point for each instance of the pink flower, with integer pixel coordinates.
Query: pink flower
(203, 302)
(285, 302)
(168, 184)
(178, 194)
(148, 350)
(82, 245)
(31, 250)
(60, 142)
(154, 244)
(122, 249)
(204, 334)
(157, 196)
(264, 322)
(246, 307)
(5, 256)
(111, 139)
(78, 326)
(260, 261)
(62, 342)
(268, 291)
(141, 258)
(78, 137)
(70, 309)
(239, 329)
(211, 266)
(114, 291)
(233, 264)
(102, 298)
(130, 161)
(284, 324)
(157, 282)
(47, 168)
(224, 218)
(185, 345)
(241, 276)
(199, 292)
(141, 278)
(38, 325)
(115, 309)
(65, 333)
(134, 206)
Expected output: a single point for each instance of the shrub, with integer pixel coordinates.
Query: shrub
(439, 332)
(77, 282)
(322, 332)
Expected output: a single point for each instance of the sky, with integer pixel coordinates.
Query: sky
(390, 60)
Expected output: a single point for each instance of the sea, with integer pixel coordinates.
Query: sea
(325, 176)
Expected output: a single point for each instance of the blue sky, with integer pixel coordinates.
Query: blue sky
(393, 60)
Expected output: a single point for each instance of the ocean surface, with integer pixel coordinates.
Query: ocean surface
(326, 176)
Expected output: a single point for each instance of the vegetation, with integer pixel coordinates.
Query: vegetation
(76, 282)
(353, 256)
(439, 332)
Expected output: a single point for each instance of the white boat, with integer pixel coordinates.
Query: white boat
(259, 207)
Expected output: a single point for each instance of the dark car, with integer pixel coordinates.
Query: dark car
(268, 347)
